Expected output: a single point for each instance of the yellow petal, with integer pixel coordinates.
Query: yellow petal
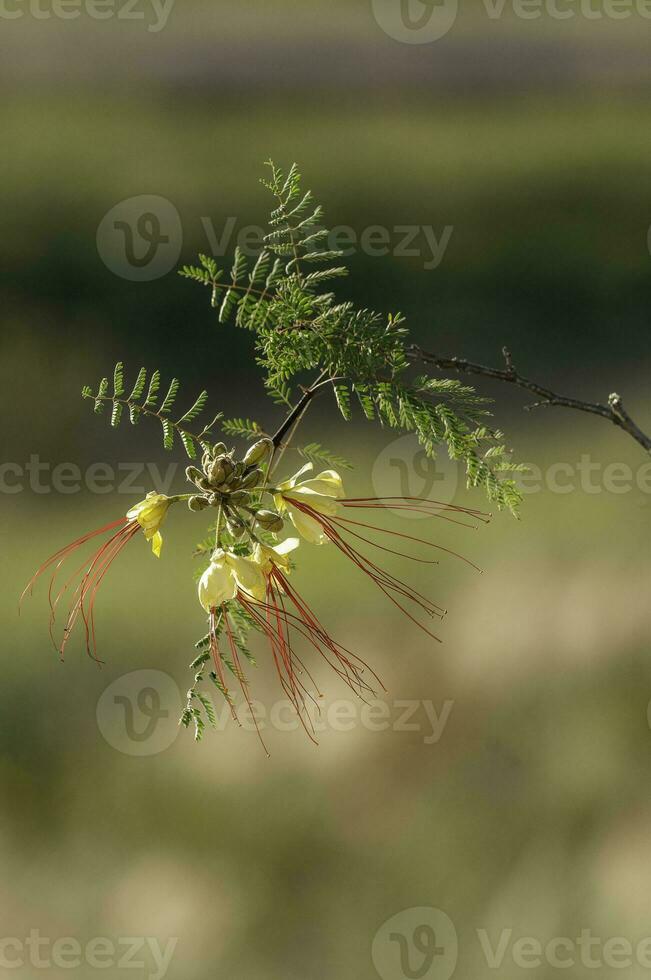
(293, 480)
(249, 576)
(279, 554)
(157, 543)
(150, 514)
(332, 478)
(216, 585)
(307, 526)
(286, 547)
(320, 502)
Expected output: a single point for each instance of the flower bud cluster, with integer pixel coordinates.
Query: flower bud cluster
(234, 484)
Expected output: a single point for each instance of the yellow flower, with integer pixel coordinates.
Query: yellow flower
(150, 514)
(267, 557)
(225, 575)
(320, 494)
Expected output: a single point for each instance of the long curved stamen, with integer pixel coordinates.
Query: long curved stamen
(89, 576)
(99, 565)
(386, 582)
(419, 507)
(348, 665)
(419, 502)
(63, 553)
(340, 652)
(129, 534)
(273, 618)
(408, 537)
(279, 645)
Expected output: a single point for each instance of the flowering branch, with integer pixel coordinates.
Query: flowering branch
(613, 411)
(300, 330)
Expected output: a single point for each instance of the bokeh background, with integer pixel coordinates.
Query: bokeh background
(531, 811)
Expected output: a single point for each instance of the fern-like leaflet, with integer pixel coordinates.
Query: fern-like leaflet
(137, 407)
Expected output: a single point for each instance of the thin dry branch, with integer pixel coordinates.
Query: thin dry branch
(613, 411)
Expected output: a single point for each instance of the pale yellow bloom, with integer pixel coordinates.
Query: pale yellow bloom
(216, 585)
(279, 554)
(225, 575)
(150, 514)
(320, 493)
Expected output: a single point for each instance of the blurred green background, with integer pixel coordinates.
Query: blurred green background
(531, 810)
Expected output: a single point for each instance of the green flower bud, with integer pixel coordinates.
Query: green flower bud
(228, 467)
(251, 479)
(238, 497)
(219, 449)
(203, 484)
(198, 503)
(193, 474)
(258, 451)
(269, 520)
(216, 473)
(237, 530)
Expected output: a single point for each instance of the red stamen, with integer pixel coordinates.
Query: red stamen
(388, 584)
(94, 570)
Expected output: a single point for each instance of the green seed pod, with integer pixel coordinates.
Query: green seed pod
(258, 451)
(237, 530)
(198, 503)
(216, 473)
(269, 520)
(238, 497)
(252, 479)
(227, 465)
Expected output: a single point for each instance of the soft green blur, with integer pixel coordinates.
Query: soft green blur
(531, 810)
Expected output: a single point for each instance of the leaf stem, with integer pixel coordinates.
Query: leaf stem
(287, 430)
